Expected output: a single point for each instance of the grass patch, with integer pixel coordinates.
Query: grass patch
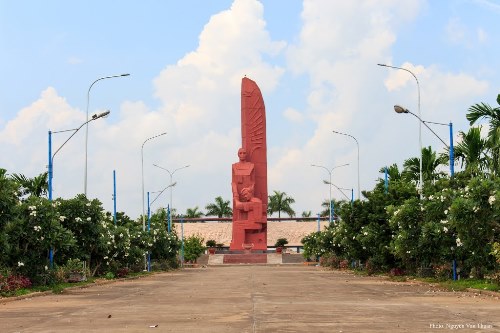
(460, 285)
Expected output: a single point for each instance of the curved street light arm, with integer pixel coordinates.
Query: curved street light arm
(94, 117)
(338, 166)
(338, 188)
(87, 128)
(171, 185)
(142, 172)
(430, 129)
(357, 143)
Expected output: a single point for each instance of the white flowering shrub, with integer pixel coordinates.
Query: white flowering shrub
(474, 215)
(33, 233)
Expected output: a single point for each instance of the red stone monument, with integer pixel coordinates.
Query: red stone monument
(249, 175)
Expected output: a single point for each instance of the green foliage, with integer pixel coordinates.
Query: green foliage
(220, 208)
(280, 242)
(193, 213)
(474, 216)
(193, 248)
(211, 243)
(280, 202)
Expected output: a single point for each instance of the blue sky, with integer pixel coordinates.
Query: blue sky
(315, 62)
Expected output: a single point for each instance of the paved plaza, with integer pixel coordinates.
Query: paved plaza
(260, 298)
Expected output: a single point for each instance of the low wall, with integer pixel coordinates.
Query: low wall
(221, 232)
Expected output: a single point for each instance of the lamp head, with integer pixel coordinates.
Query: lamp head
(400, 109)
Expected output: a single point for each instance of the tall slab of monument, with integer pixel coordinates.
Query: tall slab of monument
(249, 175)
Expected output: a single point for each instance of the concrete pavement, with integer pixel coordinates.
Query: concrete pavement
(263, 298)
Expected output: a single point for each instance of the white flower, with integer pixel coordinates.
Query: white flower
(408, 252)
(88, 204)
(466, 188)
(121, 235)
(33, 213)
(89, 219)
(62, 218)
(445, 229)
(365, 233)
(37, 228)
(32, 207)
(78, 219)
(459, 243)
(446, 211)
(491, 200)
(20, 264)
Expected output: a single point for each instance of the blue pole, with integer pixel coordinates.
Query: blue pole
(352, 196)
(114, 196)
(51, 252)
(319, 226)
(182, 241)
(386, 183)
(169, 226)
(452, 173)
(149, 228)
(50, 166)
(333, 211)
(149, 214)
(452, 157)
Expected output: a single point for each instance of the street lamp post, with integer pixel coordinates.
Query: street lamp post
(51, 160)
(330, 173)
(400, 109)
(51, 157)
(142, 172)
(171, 187)
(420, 124)
(357, 143)
(87, 127)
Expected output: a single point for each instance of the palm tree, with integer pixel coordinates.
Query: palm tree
(220, 208)
(482, 110)
(193, 213)
(280, 202)
(37, 186)
(430, 163)
(471, 152)
(392, 172)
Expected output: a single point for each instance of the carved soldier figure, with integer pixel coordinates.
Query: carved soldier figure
(247, 207)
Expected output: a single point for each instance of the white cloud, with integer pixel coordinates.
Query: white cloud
(337, 50)
(293, 115)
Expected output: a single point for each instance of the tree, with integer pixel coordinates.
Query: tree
(280, 202)
(220, 208)
(193, 248)
(471, 152)
(37, 186)
(392, 172)
(482, 110)
(430, 163)
(193, 213)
